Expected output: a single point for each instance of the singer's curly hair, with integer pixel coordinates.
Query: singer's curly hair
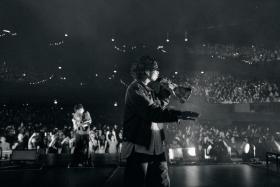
(78, 106)
(145, 63)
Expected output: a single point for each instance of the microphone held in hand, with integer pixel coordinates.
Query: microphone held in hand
(165, 87)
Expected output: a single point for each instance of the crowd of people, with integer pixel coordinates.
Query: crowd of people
(48, 128)
(226, 88)
(223, 142)
(248, 54)
(102, 139)
(216, 86)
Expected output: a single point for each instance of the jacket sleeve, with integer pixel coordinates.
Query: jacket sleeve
(145, 108)
(88, 117)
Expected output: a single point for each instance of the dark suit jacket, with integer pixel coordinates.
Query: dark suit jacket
(141, 109)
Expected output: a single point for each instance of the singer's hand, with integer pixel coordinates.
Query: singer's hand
(188, 115)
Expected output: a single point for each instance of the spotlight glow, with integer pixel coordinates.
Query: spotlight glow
(191, 151)
(7, 31)
(171, 154)
(246, 148)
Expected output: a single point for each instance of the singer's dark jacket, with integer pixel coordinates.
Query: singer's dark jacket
(142, 108)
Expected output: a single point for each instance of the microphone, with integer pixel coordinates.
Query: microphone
(181, 92)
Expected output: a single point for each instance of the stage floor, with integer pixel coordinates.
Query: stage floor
(239, 175)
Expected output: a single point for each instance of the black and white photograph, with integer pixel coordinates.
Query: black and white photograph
(139, 93)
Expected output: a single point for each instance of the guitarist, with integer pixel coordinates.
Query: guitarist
(81, 122)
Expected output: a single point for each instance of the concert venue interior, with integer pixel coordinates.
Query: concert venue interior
(56, 54)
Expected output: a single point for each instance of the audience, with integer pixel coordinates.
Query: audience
(39, 127)
(5, 146)
(205, 137)
(247, 54)
(222, 88)
(229, 140)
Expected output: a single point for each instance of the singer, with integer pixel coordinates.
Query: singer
(144, 115)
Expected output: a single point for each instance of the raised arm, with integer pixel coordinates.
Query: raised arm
(144, 107)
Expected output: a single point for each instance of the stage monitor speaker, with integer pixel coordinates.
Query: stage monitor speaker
(24, 155)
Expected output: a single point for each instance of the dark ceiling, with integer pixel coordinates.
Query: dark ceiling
(91, 24)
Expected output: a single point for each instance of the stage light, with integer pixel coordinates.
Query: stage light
(235, 54)
(246, 148)
(115, 71)
(24, 74)
(186, 37)
(113, 39)
(202, 72)
(7, 31)
(115, 104)
(59, 67)
(207, 152)
(171, 154)
(66, 35)
(249, 152)
(167, 37)
(175, 154)
(55, 102)
(96, 75)
(276, 143)
(176, 73)
(191, 151)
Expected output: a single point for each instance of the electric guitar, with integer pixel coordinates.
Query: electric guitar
(83, 126)
(80, 125)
